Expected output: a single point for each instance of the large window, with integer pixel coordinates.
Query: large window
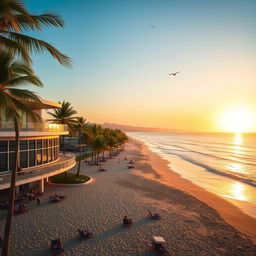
(32, 153)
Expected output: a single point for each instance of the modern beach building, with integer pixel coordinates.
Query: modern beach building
(40, 155)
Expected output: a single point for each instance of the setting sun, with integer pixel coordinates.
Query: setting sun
(237, 119)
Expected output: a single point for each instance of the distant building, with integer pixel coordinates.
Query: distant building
(40, 155)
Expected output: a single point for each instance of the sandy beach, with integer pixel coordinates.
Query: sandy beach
(194, 222)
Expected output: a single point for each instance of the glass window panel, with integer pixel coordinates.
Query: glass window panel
(32, 158)
(50, 154)
(11, 161)
(45, 156)
(53, 154)
(24, 159)
(12, 145)
(3, 162)
(39, 157)
(32, 144)
(39, 143)
(50, 142)
(3, 146)
(44, 143)
(23, 144)
(56, 153)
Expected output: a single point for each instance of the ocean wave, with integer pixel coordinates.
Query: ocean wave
(215, 171)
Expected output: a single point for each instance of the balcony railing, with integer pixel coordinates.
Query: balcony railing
(63, 163)
(39, 127)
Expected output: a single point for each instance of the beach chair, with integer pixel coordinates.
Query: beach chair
(56, 198)
(127, 222)
(155, 216)
(158, 242)
(85, 234)
(56, 247)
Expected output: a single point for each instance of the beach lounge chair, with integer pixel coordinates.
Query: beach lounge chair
(21, 209)
(155, 216)
(102, 169)
(85, 234)
(56, 198)
(56, 247)
(158, 242)
(127, 222)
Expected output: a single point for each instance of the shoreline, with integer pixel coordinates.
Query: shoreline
(228, 211)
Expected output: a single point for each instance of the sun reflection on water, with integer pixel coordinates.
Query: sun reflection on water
(237, 192)
(238, 139)
(236, 149)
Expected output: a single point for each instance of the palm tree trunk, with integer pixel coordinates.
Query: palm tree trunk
(98, 156)
(79, 148)
(7, 233)
(63, 145)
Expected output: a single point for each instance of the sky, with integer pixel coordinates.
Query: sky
(123, 51)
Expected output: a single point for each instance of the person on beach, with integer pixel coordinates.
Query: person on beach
(125, 219)
(38, 201)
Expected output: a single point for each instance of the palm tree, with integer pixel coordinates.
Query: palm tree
(15, 20)
(98, 145)
(81, 124)
(64, 115)
(13, 75)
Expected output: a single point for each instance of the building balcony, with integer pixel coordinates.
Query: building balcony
(64, 163)
(33, 129)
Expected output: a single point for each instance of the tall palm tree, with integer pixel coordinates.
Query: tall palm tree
(64, 115)
(13, 75)
(79, 127)
(15, 20)
(98, 146)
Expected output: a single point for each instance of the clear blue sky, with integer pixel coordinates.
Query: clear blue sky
(121, 64)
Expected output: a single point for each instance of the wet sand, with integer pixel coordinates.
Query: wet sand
(189, 225)
(232, 214)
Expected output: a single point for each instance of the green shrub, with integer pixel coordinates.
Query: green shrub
(71, 179)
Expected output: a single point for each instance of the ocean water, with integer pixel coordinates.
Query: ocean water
(224, 164)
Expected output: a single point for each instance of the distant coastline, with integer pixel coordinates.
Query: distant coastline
(131, 128)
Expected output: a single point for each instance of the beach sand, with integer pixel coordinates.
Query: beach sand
(189, 225)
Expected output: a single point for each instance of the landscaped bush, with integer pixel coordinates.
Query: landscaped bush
(71, 178)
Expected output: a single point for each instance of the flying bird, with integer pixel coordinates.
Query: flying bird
(152, 26)
(174, 74)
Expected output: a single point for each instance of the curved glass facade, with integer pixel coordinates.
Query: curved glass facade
(33, 152)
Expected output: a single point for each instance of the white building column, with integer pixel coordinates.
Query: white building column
(41, 186)
(47, 179)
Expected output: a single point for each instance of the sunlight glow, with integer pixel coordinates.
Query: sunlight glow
(237, 119)
(237, 192)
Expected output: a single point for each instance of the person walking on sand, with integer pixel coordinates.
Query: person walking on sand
(38, 201)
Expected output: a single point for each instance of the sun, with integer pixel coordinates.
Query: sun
(237, 119)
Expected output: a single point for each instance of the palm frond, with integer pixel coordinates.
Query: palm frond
(33, 44)
(13, 47)
(21, 68)
(25, 95)
(31, 22)
(23, 80)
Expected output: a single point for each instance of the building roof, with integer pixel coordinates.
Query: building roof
(46, 105)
